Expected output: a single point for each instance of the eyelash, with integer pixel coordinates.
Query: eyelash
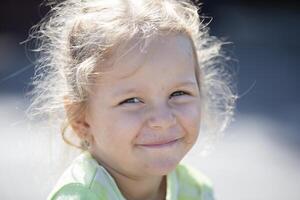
(126, 101)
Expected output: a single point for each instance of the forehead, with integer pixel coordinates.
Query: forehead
(167, 57)
(175, 52)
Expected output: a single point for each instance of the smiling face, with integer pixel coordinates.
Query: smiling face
(144, 115)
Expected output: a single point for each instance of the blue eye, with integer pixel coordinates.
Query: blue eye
(134, 100)
(130, 100)
(179, 93)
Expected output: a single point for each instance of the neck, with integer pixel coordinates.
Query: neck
(150, 188)
(138, 188)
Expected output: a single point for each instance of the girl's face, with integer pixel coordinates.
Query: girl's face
(144, 115)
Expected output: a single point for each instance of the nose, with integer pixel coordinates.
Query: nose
(161, 117)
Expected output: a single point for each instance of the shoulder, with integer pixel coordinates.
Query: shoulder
(193, 183)
(78, 181)
(187, 173)
(73, 191)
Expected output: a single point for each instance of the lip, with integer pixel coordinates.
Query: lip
(160, 144)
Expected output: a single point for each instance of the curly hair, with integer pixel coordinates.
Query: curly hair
(76, 35)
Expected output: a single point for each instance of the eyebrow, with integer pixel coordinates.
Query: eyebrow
(192, 83)
(135, 90)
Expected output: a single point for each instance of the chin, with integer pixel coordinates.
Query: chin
(161, 167)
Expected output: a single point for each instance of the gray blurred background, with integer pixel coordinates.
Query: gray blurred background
(258, 159)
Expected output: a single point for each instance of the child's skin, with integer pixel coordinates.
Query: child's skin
(145, 137)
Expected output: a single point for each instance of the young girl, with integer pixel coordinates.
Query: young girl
(134, 80)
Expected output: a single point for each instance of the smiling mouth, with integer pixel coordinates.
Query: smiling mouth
(160, 144)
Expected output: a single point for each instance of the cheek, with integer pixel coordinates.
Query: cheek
(190, 118)
(122, 126)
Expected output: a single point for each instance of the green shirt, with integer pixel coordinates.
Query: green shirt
(85, 179)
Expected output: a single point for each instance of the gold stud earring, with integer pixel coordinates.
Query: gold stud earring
(85, 144)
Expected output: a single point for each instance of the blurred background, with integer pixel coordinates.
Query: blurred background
(259, 157)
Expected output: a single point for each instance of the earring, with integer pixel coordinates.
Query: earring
(85, 144)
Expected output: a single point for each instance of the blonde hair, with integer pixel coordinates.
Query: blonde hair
(77, 35)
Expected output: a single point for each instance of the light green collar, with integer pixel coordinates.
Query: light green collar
(103, 178)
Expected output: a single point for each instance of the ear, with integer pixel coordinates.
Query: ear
(76, 115)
